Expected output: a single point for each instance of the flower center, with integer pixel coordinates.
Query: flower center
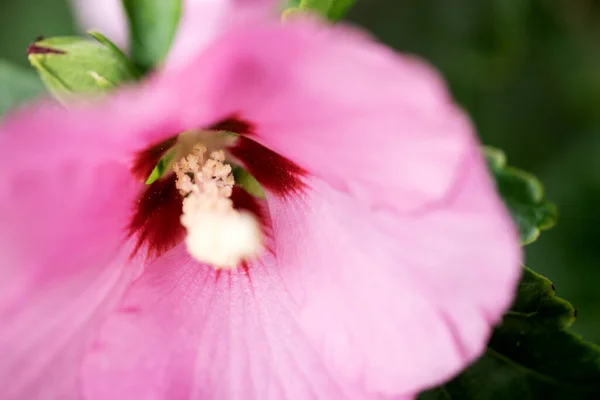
(217, 233)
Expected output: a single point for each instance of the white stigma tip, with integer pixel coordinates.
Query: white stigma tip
(217, 234)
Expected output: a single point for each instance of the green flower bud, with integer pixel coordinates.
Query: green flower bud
(69, 66)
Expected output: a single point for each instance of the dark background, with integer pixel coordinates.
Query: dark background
(528, 72)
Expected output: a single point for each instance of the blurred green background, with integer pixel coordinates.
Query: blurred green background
(528, 72)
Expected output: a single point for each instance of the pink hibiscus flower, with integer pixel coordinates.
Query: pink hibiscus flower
(375, 267)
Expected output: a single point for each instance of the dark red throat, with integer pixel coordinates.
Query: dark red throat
(155, 222)
(274, 172)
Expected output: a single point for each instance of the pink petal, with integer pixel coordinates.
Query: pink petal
(398, 302)
(204, 20)
(185, 331)
(370, 122)
(45, 332)
(66, 197)
(62, 265)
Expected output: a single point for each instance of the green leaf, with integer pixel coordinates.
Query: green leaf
(152, 26)
(70, 65)
(531, 355)
(524, 196)
(333, 10)
(16, 86)
(536, 300)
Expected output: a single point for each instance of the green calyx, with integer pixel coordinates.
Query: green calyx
(161, 167)
(248, 182)
(71, 66)
(333, 10)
